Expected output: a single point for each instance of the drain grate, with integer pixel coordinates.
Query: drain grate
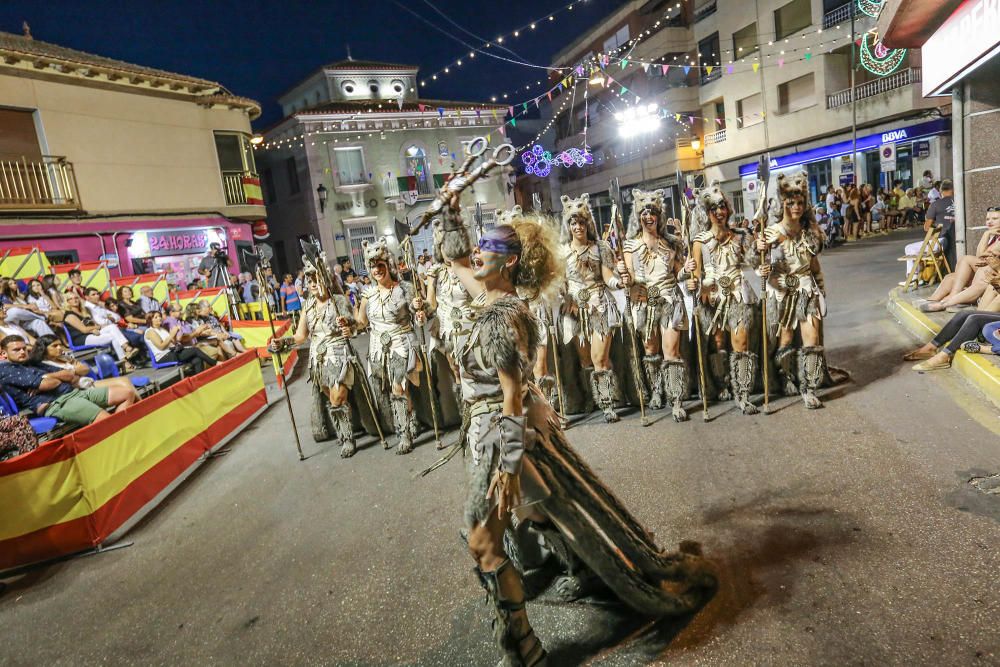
(989, 484)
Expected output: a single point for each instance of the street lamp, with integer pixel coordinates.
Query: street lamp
(696, 144)
(322, 194)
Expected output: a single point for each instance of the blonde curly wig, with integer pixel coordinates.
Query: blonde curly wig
(539, 269)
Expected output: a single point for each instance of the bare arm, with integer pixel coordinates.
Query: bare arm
(696, 253)
(463, 269)
(73, 320)
(155, 339)
(301, 331)
(52, 380)
(361, 314)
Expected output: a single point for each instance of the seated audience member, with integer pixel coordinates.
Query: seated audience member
(51, 285)
(42, 302)
(907, 207)
(148, 301)
(191, 334)
(8, 329)
(129, 309)
(50, 354)
(941, 215)
(878, 212)
(75, 283)
(55, 393)
(84, 331)
(105, 315)
(232, 343)
(165, 345)
(20, 312)
(972, 274)
(213, 335)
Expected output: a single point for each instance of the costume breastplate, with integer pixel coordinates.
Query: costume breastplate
(583, 268)
(387, 311)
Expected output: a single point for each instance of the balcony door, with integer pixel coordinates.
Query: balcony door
(19, 140)
(415, 165)
(351, 165)
(358, 231)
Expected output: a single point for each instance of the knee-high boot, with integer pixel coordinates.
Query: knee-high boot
(675, 387)
(587, 385)
(812, 370)
(743, 372)
(786, 359)
(401, 421)
(344, 426)
(652, 365)
(511, 629)
(605, 388)
(719, 364)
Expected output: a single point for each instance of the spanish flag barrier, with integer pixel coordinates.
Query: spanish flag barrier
(216, 297)
(93, 274)
(158, 281)
(89, 487)
(256, 336)
(24, 263)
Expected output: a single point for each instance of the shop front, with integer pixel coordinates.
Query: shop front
(918, 147)
(134, 245)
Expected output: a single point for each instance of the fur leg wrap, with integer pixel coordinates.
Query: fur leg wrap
(786, 359)
(547, 384)
(743, 371)
(577, 580)
(719, 364)
(605, 387)
(675, 387)
(344, 426)
(652, 365)
(812, 370)
(511, 629)
(401, 420)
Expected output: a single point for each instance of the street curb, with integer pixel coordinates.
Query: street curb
(975, 368)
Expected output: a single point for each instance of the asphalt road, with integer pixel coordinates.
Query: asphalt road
(844, 536)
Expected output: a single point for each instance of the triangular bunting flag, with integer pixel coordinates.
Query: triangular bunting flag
(756, 66)
(441, 112)
(560, 87)
(624, 63)
(677, 117)
(549, 94)
(478, 115)
(494, 114)
(524, 107)
(624, 90)
(809, 56)
(718, 121)
(691, 119)
(666, 68)
(708, 70)
(781, 62)
(513, 122)
(421, 107)
(511, 110)
(729, 69)
(686, 70)
(645, 68)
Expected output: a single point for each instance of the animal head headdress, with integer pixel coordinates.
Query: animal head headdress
(578, 208)
(647, 200)
(378, 251)
(794, 185)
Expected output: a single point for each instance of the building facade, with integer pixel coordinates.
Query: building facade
(358, 150)
(960, 41)
(102, 160)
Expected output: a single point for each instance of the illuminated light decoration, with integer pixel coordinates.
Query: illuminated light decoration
(537, 161)
(878, 59)
(574, 157)
(870, 8)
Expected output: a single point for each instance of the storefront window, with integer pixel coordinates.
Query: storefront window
(904, 165)
(820, 177)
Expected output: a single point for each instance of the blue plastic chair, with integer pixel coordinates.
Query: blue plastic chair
(158, 364)
(39, 425)
(105, 366)
(78, 348)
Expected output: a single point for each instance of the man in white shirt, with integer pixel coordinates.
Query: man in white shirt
(103, 317)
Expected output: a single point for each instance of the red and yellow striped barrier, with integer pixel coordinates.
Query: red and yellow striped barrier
(158, 281)
(257, 335)
(74, 493)
(23, 263)
(217, 298)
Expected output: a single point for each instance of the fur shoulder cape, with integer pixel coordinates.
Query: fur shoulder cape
(508, 334)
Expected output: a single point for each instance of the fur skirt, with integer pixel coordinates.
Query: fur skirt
(332, 367)
(667, 312)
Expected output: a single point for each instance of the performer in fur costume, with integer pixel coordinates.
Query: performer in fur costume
(796, 292)
(451, 303)
(653, 263)
(328, 323)
(387, 305)
(521, 468)
(728, 300)
(590, 314)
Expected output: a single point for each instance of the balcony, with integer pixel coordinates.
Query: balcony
(347, 182)
(900, 79)
(705, 10)
(839, 15)
(715, 137)
(242, 188)
(48, 183)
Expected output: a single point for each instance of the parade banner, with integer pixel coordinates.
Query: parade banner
(158, 281)
(23, 263)
(77, 492)
(217, 297)
(93, 274)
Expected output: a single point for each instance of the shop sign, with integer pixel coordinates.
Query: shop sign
(968, 38)
(922, 149)
(180, 242)
(111, 259)
(847, 167)
(887, 156)
(846, 179)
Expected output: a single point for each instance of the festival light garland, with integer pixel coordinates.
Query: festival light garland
(871, 8)
(876, 58)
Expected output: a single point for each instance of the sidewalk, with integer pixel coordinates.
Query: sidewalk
(981, 370)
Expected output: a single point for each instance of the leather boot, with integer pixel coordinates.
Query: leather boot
(675, 387)
(812, 370)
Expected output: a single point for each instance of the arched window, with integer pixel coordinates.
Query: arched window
(415, 166)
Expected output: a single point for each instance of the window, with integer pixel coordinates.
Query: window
(293, 176)
(235, 152)
(617, 39)
(350, 166)
(62, 256)
(708, 54)
(720, 115)
(267, 180)
(793, 17)
(745, 41)
(348, 87)
(797, 94)
(19, 138)
(415, 166)
(397, 86)
(749, 111)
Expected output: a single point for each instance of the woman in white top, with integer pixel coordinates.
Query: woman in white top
(165, 346)
(84, 331)
(38, 298)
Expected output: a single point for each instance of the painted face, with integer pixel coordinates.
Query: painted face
(719, 212)
(379, 270)
(578, 228)
(795, 207)
(486, 264)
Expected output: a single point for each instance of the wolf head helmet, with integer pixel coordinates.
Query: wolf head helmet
(508, 217)
(378, 251)
(643, 200)
(794, 185)
(577, 208)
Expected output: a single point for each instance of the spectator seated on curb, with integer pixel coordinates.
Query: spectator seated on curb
(61, 394)
(971, 277)
(50, 354)
(991, 336)
(964, 328)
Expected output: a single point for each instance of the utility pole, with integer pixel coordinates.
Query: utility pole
(854, 101)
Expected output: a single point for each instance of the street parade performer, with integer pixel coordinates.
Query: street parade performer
(590, 314)
(653, 264)
(328, 324)
(728, 301)
(521, 468)
(796, 295)
(387, 305)
(450, 301)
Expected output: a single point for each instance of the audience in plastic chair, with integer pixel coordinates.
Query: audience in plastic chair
(84, 331)
(165, 344)
(50, 354)
(61, 394)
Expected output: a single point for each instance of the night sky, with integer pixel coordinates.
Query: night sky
(260, 49)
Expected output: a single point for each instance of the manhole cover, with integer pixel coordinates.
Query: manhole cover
(989, 484)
